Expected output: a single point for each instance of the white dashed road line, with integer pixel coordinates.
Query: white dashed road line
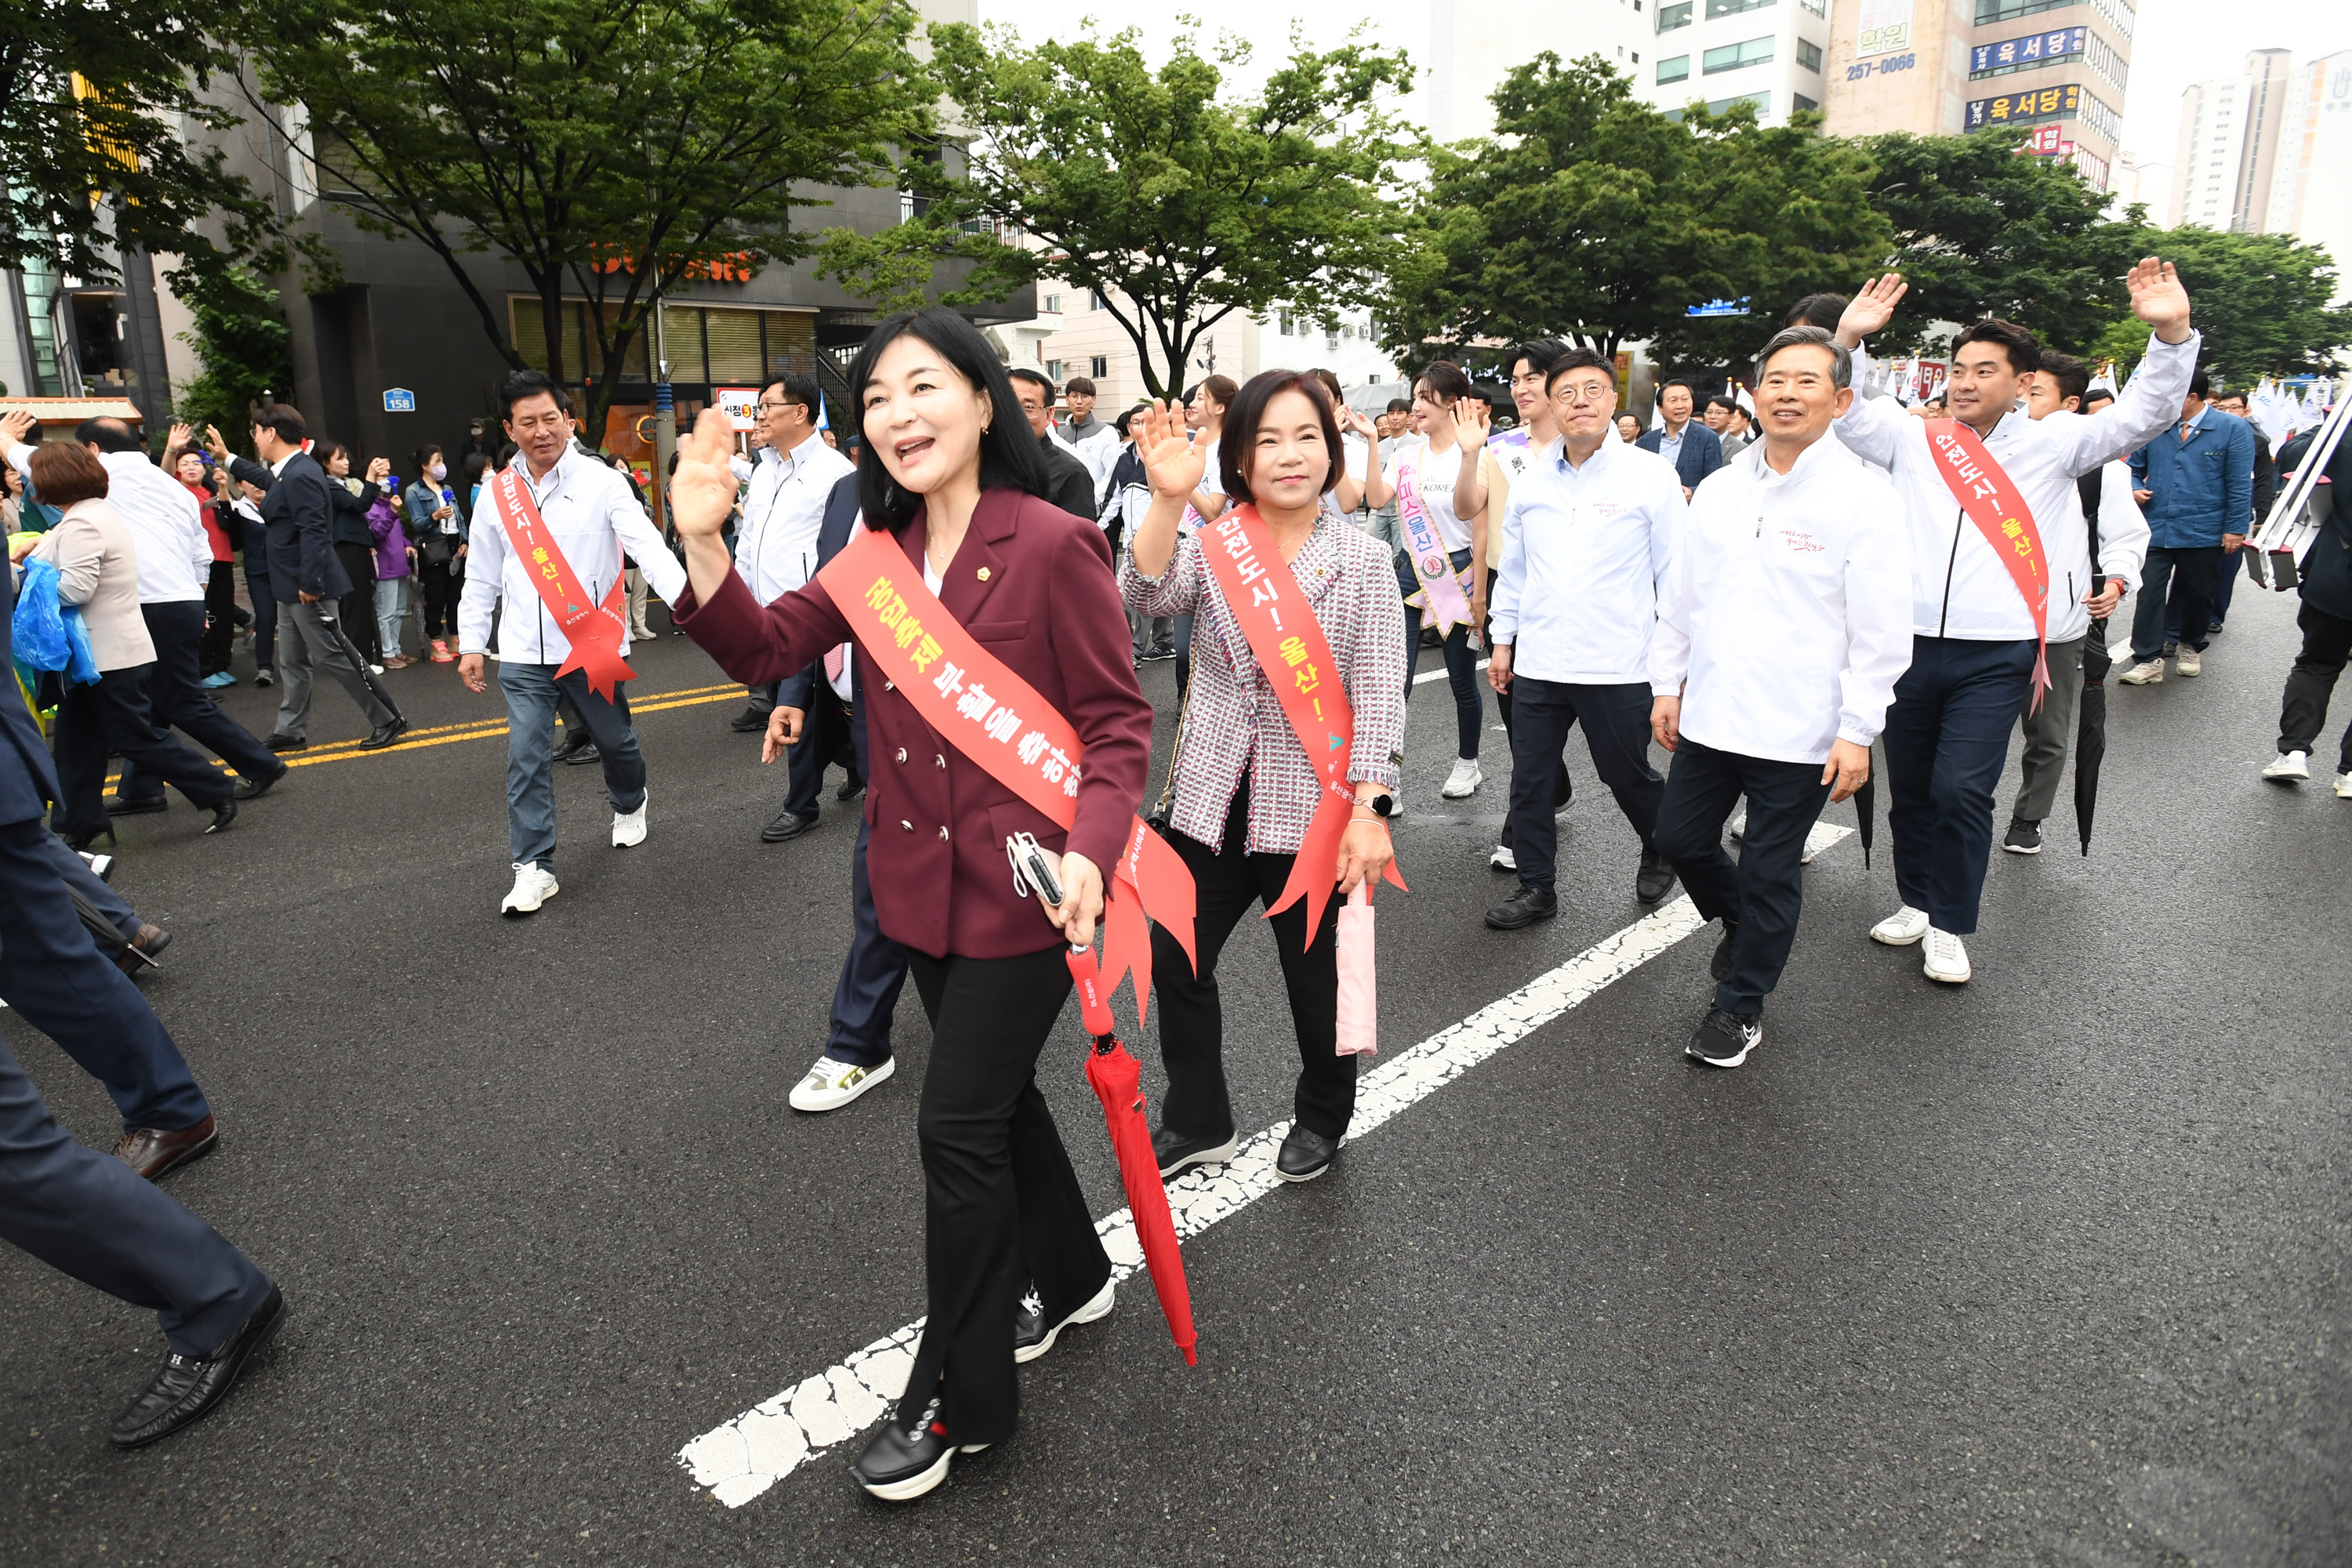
(738, 1461)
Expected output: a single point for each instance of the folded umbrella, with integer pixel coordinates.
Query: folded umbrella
(1118, 1082)
(1866, 809)
(2091, 731)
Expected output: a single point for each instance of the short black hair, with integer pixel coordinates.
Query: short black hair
(282, 420)
(1006, 462)
(422, 457)
(1247, 412)
(2072, 377)
(477, 465)
(108, 435)
(799, 387)
(1578, 359)
(1822, 310)
(1078, 386)
(1541, 355)
(1034, 377)
(525, 385)
(1400, 406)
(2023, 349)
(323, 450)
(2200, 382)
(1729, 405)
(2096, 395)
(1120, 423)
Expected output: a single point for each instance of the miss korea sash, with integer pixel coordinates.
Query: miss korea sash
(592, 629)
(1289, 643)
(1991, 499)
(1441, 591)
(992, 716)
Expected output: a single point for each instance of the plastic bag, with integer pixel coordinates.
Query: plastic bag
(48, 635)
(1358, 990)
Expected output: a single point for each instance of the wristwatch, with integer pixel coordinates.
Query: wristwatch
(1382, 804)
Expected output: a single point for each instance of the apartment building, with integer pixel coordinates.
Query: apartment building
(2231, 128)
(1770, 53)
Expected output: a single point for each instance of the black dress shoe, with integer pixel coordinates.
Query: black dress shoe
(1306, 1154)
(79, 843)
(573, 741)
(254, 789)
(581, 756)
(787, 826)
(384, 735)
(1177, 1150)
(224, 815)
(850, 788)
(285, 743)
(188, 1387)
(1720, 966)
(900, 1466)
(1524, 908)
(1655, 880)
(145, 805)
(750, 721)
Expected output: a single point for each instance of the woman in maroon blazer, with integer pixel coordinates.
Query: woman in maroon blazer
(947, 466)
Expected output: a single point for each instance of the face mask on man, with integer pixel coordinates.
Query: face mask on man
(439, 471)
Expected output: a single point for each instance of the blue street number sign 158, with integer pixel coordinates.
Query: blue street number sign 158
(399, 400)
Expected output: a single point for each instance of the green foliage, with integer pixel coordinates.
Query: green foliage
(108, 168)
(1592, 216)
(242, 341)
(1141, 183)
(1982, 231)
(610, 148)
(2260, 299)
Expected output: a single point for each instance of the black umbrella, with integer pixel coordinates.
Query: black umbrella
(1865, 814)
(2091, 729)
(110, 941)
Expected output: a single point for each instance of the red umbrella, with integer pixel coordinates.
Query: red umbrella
(1119, 1083)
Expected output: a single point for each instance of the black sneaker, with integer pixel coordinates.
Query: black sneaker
(1175, 1150)
(750, 721)
(1655, 880)
(900, 1466)
(1033, 1338)
(581, 756)
(1523, 909)
(1304, 1155)
(1725, 1038)
(2023, 837)
(1720, 966)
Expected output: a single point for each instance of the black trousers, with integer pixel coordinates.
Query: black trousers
(178, 701)
(359, 605)
(1227, 884)
(220, 612)
(2196, 574)
(1616, 731)
(1763, 893)
(824, 740)
(1002, 1205)
(110, 714)
(2303, 712)
(440, 587)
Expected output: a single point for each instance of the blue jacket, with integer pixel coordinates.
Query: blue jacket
(2203, 487)
(27, 780)
(1701, 453)
(832, 535)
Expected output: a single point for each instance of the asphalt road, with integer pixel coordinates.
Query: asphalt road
(2049, 1269)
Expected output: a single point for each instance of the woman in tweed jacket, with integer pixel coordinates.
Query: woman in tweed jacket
(1245, 789)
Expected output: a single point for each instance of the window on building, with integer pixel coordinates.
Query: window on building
(1733, 7)
(1052, 370)
(1637, 57)
(1818, 7)
(1099, 301)
(1738, 57)
(1675, 16)
(1286, 321)
(1808, 55)
(1098, 366)
(1052, 305)
(1799, 102)
(1675, 69)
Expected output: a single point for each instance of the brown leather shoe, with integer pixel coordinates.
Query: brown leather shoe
(151, 941)
(155, 1154)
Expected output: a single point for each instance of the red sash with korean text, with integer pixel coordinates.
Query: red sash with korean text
(1288, 643)
(1990, 501)
(999, 721)
(592, 629)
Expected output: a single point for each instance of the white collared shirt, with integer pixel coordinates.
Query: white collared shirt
(591, 514)
(1783, 620)
(1583, 548)
(167, 527)
(1961, 588)
(775, 548)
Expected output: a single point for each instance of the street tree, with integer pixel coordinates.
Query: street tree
(1591, 216)
(1177, 205)
(2262, 303)
(1981, 230)
(611, 149)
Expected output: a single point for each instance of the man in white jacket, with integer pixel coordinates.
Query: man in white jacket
(1782, 628)
(1977, 637)
(591, 515)
(2117, 535)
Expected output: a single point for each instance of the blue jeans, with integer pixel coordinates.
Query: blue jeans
(1947, 742)
(531, 690)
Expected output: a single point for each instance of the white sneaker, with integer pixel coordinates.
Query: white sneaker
(629, 826)
(2147, 672)
(832, 1084)
(1901, 929)
(1464, 780)
(534, 885)
(1502, 859)
(2344, 784)
(2288, 767)
(2188, 663)
(1947, 961)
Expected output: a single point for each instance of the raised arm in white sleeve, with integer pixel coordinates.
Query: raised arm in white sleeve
(1873, 426)
(2149, 406)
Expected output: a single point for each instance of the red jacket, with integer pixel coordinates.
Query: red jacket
(1033, 585)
